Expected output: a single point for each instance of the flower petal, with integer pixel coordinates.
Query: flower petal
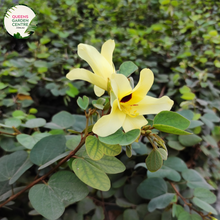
(120, 86)
(88, 76)
(98, 63)
(107, 50)
(98, 91)
(141, 89)
(150, 105)
(131, 123)
(109, 124)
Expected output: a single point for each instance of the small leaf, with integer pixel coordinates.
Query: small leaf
(35, 123)
(13, 122)
(47, 149)
(73, 142)
(130, 214)
(91, 175)
(171, 122)
(190, 141)
(175, 163)
(119, 137)
(127, 68)
(29, 141)
(63, 119)
(154, 161)
(163, 153)
(73, 91)
(83, 103)
(204, 206)
(165, 172)
(129, 151)
(176, 145)
(160, 202)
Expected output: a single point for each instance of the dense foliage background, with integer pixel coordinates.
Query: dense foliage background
(178, 40)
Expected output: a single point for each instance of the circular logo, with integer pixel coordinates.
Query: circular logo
(20, 21)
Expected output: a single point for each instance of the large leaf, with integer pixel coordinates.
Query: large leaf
(119, 137)
(152, 187)
(154, 161)
(90, 174)
(160, 202)
(47, 149)
(187, 216)
(171, 122)
(35, 123)
(204, 206)
(9, 164)
(195, 180)
(62, 189)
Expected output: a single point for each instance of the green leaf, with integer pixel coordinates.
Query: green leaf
(63, 189)
(47, 149)
(29, 141)
(163, 153)
(2, 85)
(85, 206)
(195, 180)
(54, 160)
(63, 119)
(160, 202)
(154, 161)
(18, 114)
(119, 137)
(94, 148)
(32, 25)
(171, 122)
(165, 172)
(35, 123)
(73, 91)
(25, 166)
(127, 68)
(108, 164)
(211, 116)
(123, 203)
(83, 103)
(120, 182)
(177, 210)
(164, 2)
(204, 206)
(111, 150)
(13, 122)
(188, 96)
(99, 214)
(99, 104)
(210, 140)
(205, 195)
(90, 174)
(190, 141)
(152, 187)
(9, 164)
(130, 214)
(129, 151)
(73, 142)
(187, 216)
(175, 163)
(176, 145)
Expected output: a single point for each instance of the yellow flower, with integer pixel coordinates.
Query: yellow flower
(101, 64)
(130, 105)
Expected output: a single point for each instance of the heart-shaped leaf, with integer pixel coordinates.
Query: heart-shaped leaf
(119, 137)
(127, 68)
(83, 102)
(63, 189)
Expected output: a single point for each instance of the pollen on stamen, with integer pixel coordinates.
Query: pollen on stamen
(126, 98)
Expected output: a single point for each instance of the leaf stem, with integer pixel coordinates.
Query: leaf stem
(71, 154)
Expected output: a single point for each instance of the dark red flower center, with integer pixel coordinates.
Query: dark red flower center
(126, 98)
